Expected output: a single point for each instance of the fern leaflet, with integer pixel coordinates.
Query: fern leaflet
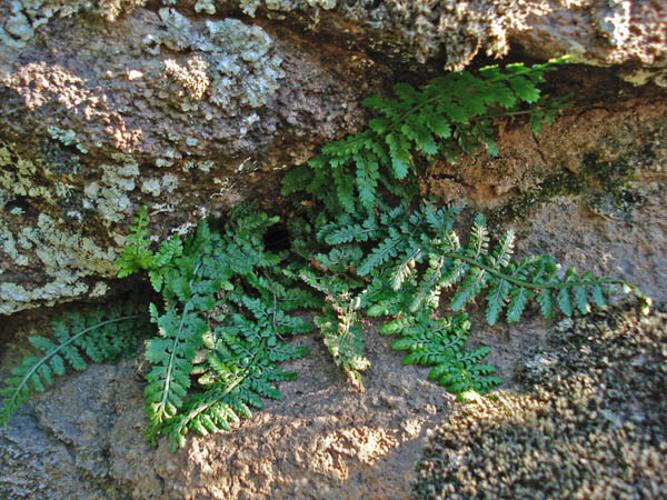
(100, 335)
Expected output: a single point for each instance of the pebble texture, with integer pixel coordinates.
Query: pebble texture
(587, 422)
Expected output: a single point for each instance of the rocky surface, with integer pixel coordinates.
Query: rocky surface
(83, 439)
(189, 107)
(325, 440)
(588, 420)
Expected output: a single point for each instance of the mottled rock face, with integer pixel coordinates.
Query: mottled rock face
(325, 440)
(189, 107)
(186, 115)
(588, 420)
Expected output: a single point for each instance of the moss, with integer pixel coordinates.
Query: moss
(590, 424)
(603, 184)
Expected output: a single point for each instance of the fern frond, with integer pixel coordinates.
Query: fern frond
(171, 355)
(136, 255)
(450, 114)
(440, 343)
(99, 335)
(343, 337)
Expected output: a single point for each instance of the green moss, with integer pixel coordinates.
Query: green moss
(603, 184)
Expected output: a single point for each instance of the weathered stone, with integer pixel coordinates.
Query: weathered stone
(110, 105)
(185, 115)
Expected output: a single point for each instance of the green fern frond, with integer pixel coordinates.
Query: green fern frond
(342, 335)
(410, 259)
(100, 335)
(450, 114)
(136, 254)
(171, 355)
(439, 343)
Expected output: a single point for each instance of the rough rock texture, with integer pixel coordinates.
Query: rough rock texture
(610, 131)
(187, 116)
(189, 107)
(83, 439)
(589, 421)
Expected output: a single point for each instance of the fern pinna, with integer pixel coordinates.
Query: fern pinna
(100, 335)
(400, 261)
(452, 115)
(223, 326)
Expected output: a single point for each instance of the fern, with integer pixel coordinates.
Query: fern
(340, 325)
(439, 343)
(401, 262)
(222, 328)
(451, 115)
(100, 335)
(241, 367)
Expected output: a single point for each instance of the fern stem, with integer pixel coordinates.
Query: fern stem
(177, 338)
(537, 286)
(58, 348)
(211, 400)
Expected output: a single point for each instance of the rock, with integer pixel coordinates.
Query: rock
(189, 107)
(83, 439)
(188, 116)
(590, 422)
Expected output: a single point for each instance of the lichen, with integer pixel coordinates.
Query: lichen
(67, 137)
(108, 196)
(193, 77)
(17, 176)
(28, 15)
(250, 7)
(155, 187)
(65, 257)
(206, 6)
(234, 64)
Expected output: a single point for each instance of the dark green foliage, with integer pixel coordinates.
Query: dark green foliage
(450, 116)
(399, 262)
(223, 328)
(100, 335)
(239, 365)
(440, 343)
(362, 245)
